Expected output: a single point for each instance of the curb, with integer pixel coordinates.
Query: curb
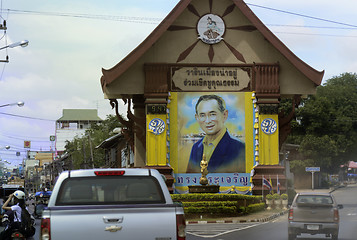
(266, 219)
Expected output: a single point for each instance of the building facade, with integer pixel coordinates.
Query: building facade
(208, 55)
(73, 123)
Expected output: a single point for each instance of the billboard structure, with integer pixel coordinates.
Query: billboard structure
(218, 125)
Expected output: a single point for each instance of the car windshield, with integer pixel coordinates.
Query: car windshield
(110, 190)
(314, 199)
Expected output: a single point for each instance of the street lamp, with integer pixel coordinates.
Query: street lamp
(6, 147)
(20, 104)
(23, 43)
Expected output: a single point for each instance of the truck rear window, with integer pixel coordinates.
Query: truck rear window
(108, 190)
(314, 199)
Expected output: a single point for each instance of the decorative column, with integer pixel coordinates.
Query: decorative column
(268, 136)
(157, 128)
(267, 99)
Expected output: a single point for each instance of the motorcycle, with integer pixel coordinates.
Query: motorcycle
(17, 235)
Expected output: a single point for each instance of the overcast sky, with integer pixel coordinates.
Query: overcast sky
(71, 41)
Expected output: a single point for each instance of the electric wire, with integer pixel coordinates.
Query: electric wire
(151, 20)
(303, 15)
(34, 118)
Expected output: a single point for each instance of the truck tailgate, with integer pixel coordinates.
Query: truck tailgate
(314, 214)
(107, 223)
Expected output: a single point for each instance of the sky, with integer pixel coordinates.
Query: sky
(71, 41)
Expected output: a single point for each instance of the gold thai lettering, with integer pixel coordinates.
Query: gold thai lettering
(211, 83)
(210, 78)
(209, 72)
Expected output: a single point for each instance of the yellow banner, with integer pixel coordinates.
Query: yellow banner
(268, 140)
(156, 140)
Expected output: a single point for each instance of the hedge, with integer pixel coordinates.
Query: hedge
(222, 209)
(255, 207)
(219, 204)
(210, 204)
(215, 197)
(211, 210)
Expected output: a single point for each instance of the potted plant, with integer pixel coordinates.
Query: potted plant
(277, 201)
(284, 200)
(269, 200)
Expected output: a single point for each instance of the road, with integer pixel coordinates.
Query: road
(277, 228)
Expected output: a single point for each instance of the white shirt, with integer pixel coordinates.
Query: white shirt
(17, 209)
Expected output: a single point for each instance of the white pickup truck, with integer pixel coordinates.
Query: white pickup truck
(103, 204)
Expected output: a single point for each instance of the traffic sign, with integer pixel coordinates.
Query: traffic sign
(312, 169)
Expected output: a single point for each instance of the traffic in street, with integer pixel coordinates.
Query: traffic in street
(273, 229)
(277, 229)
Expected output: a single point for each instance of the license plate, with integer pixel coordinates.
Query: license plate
(312, 227)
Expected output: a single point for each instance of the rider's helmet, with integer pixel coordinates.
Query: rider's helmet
(19, 194)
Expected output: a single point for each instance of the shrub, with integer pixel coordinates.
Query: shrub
(284, 196)
(211, 210)
(269, 197)
(255, 207)
(276, 196)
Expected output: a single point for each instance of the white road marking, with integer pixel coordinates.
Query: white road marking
(225, 232)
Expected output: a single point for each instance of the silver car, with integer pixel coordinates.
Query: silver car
(314, 213)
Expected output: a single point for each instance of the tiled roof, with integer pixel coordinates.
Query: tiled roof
(80, 115)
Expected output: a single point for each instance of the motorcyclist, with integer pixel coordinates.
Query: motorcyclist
(14, 213)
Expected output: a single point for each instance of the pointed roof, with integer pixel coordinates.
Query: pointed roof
(111, 74)
(80, 115)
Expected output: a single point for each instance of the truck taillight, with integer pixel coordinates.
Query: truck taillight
(291, 214)
(180, 227)
(45, 229)
(336, 215)
(109, 173)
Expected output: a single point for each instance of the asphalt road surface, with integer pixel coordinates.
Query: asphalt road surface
(275, 229)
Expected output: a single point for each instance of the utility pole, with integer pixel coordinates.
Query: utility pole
(84, 155)
(91, 149)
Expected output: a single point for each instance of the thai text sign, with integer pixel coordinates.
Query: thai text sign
(312, 169)
(210, 78)
(221, 179)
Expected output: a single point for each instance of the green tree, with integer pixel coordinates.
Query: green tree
(326, 129)
(82, 149)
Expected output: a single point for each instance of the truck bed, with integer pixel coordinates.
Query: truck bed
(114, 222)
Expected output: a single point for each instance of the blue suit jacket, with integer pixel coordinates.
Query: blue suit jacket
(228, 156)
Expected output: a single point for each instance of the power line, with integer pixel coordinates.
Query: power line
(309, 26)
(316, 34)
(302, 15)
(25, 138)
(148, 20)
(34, 118)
